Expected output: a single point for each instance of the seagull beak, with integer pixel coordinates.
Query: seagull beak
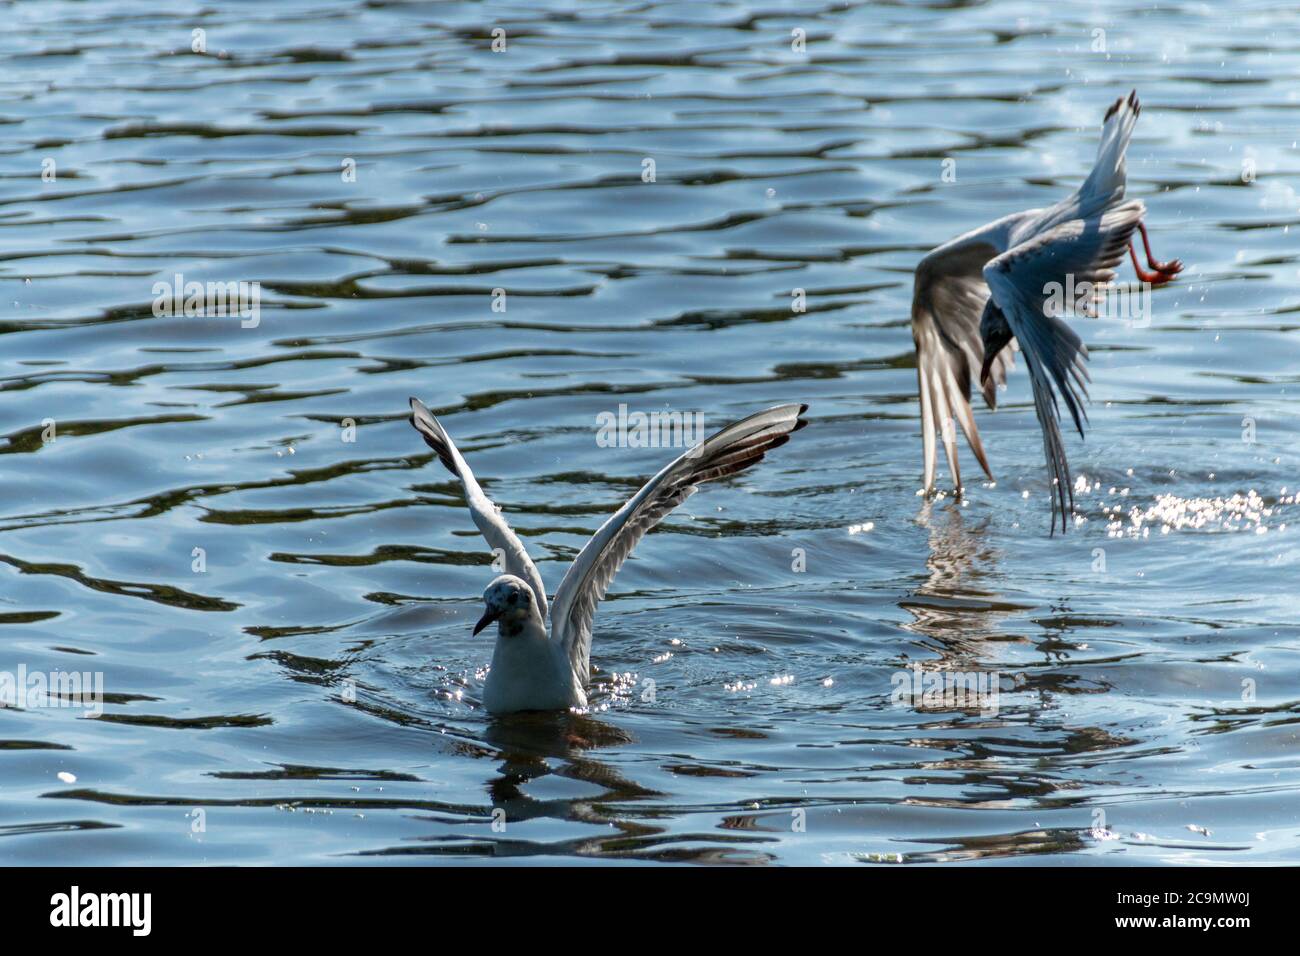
(488, 617)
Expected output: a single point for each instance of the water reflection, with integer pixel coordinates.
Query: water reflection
(532, 746)
(529, 747)
(957, 606)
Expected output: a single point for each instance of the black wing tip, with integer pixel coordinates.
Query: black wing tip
(1133, 102)
(737, 458)
(1059, 511)
(802, 406)
(433, 441)
(1065, 519)
(443, 457)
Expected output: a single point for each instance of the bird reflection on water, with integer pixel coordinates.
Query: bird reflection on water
(957, 606)
(534, 745)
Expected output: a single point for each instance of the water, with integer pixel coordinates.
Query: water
(1148, 705)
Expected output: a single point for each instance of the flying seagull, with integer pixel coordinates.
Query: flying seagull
(994, 286)
(532, 670)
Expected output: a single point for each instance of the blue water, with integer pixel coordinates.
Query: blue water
(303, 688)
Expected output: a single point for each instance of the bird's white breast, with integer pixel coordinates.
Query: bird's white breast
(530, 672)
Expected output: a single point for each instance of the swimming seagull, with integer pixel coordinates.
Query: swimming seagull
(993, 287)
(534, 671)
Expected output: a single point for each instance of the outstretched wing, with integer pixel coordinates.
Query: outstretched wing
(1027, 283)
(1105, 185)
(1106, 182)
(948, 298)
(500, 537)
(731, 450)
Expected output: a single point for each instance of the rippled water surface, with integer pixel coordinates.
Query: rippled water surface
(307, 679)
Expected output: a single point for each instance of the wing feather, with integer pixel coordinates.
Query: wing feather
(487, 516)
(1024, 283)
(735, 448)
(1108, 179)
(948, 298)
(1105, 184)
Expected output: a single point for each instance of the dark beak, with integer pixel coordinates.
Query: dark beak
(487, 618)
(984, 369)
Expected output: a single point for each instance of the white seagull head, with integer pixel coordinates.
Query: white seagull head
(509, 601)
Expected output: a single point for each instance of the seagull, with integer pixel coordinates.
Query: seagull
(990, 288)
(532, 670)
